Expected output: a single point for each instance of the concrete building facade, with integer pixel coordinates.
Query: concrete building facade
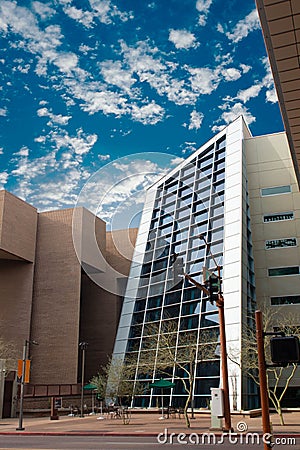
(47, 295)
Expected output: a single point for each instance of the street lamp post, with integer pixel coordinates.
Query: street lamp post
(25, 356)
(83, 346)
(220, 304)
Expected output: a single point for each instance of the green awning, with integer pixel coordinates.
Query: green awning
(90, 387)
(162, 384)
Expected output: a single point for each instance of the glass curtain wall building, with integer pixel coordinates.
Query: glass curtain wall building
(204, 197)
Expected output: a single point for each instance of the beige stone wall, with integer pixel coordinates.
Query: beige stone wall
(269, 164)
(17, 252)
(56, 301)
(18, 227)
(46, 296)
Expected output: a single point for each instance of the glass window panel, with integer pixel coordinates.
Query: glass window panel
(156, 289)
(276, 190)
(188, 169)
(183, 213)
(198, 229)
(200, 217)
(221, 143)
(203, 184)
(207, 306)
(208, 369)
(185, 190)
(137, 318)
(153, 224)
(173, 297)
(286, 300)
(189, 323)
(218, 187)
(171, 186)
(153, 315)
(282, 271)
(191, 294)
(188, 180)
(167, 219)
(157, 277)
(140, 305)
(217, 210)
(133, 345)
(185, 202)
(217, 248)
(220, 164)
(154, 302)
(135, 331)
(209, 320)
(179, 247)
(203, 385)
(163, 231)
(160, 264)
(217, 234)
(146, 268)
(196, 254)
(171, 311)
(168, 208)
(280, 243)
(183, 223)
(276, 217)
(200, 207)
(216, 223)
(190, 308)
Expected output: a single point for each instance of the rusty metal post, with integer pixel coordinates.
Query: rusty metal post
(262, 377)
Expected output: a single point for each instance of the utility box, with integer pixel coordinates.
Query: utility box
(217, 402)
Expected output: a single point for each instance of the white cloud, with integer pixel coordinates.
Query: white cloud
(245, 68)
(105, 11)
(203, 7)
(24, 151)
(231, 112)
(104, 157)
(80, 144)
(231, 74)
(176, 161)
(86, 18)
(113, 73)
(195, 120)
(203, 80)
(149, 114)
(182, 39)
(56, 119)
(44, 10)
(3, 179)
(271, 96)
(244, 27)
(251, 92)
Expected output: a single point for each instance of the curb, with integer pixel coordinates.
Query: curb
(120, 434)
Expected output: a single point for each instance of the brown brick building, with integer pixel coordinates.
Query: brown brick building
(46, 293)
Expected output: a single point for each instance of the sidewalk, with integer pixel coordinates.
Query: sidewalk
(147, 424)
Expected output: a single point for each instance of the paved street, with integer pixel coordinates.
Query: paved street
(117, 442)
(145, 431)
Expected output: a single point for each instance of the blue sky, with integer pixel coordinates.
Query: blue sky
(84, 83)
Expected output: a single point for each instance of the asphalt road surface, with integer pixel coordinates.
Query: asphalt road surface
(120, 443)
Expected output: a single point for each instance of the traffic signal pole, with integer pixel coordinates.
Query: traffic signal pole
(225, 384)
(263, 387)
